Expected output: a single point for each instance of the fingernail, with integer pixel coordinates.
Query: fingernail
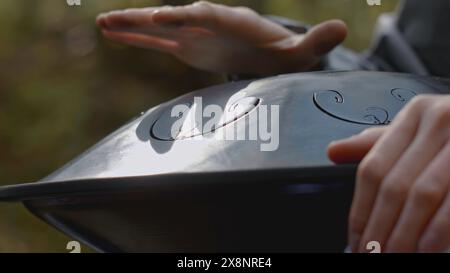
(101, 20)
(354, 239)
(155, 16)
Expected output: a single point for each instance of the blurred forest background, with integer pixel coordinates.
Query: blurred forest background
(63, 87)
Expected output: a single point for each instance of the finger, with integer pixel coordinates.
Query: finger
(377, 164)
(100, 20)
(425, 199)
(320, 40)
(437, 235)
(397, 185)
(126, 19)
(135, 21)
(141, 21)
(212, 16)
(199, 13)
(143, 41)
(353, 149)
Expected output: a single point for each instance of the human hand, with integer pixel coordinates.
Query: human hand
(222, 39)
(402, 195)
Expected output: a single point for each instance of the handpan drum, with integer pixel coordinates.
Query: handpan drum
(151, 186)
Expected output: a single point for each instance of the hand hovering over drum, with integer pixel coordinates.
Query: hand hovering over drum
(402, 195)
(222, 39)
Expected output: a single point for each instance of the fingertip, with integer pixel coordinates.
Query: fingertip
(350, 150)
(337, 151)
(107, 33)
(114, 36)
(332, 155)
(338, 27)
(121, 37)
(331, 148)
(108, 20)
(335, 143)
(328, 35)
(100, 20)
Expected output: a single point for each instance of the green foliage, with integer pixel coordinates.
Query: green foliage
(63, 87)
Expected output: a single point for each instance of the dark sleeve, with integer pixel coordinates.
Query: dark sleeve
(425, 25)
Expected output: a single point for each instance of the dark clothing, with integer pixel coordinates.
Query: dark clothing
(425, 25)
(415, 39)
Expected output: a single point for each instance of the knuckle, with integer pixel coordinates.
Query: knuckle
(440, 226)
(165, 7)
(369, 171)
(443, 223)
(398, 243)
(419, 102)
(426, 195)
(203, 3)
(440, 115)
(392, 191)
(204, 6)
(407, 128)
(373, 130)
(208, 11)
(180, 51)
(245, 10)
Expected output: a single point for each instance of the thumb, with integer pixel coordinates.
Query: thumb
(325, 36)
(354, 149)
(320, 40)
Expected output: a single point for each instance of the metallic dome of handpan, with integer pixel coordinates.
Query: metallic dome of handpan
(239, 167)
